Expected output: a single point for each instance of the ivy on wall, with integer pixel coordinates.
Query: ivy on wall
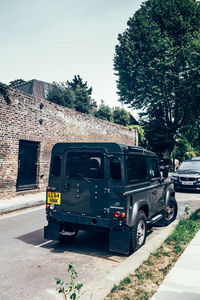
(4, 91)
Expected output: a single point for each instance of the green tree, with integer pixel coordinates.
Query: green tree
(121, 116)
(192, 134)
(183, 150)
(157, 61)
(141, 135)
(16, 82)
(103, 112)
(83, 100)
(74, 94)
(61, 94)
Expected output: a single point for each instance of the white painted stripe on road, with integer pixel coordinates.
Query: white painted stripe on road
(45, 243)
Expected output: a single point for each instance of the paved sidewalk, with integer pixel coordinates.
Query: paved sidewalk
(183, 281)
(21, 202)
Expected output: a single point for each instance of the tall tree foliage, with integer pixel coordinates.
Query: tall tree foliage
(82, 93)
(103, 112)
(157, 61)
(120, 116)
(74, 94)
(61, 94)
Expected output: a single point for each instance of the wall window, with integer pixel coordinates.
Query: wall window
(136, 168)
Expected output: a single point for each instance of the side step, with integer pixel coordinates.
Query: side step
(155, 219)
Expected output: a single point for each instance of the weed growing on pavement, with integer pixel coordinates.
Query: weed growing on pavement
(71, 288)
(145, 281)
(187, 208)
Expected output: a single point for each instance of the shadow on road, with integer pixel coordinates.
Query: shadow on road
(34, 238)
(87, 243)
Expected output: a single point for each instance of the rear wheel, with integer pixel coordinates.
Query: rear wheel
(171, 211)
(139, 232)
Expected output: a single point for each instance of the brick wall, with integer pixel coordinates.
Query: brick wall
(34, 119)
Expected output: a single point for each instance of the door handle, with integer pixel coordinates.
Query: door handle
(154, 192)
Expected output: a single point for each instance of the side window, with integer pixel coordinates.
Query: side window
(136, 168)
(115, 168)
(153, 168)
(56, 166)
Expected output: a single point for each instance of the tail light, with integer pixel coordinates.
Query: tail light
(47, 207)
(123, 214)
(117, 214)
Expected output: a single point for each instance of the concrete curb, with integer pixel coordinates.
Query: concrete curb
(94, 292)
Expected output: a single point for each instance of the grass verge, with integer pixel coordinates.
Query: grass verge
(143, 284)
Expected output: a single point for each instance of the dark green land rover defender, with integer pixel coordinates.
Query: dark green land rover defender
(107, 186)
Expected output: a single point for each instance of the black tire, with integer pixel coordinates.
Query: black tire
(138, 232)
(171, 211)
(68, 235)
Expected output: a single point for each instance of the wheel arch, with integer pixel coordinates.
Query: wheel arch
(138, 206)
(169, 192)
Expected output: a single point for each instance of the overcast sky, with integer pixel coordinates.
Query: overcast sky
(53, 40)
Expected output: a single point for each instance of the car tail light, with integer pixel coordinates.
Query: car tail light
(117, 214)
(123, 214)
(124, 195)
(47, 207)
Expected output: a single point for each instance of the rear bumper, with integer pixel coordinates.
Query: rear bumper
(84, 222)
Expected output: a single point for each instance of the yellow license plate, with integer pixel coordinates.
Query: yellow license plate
(54, 198)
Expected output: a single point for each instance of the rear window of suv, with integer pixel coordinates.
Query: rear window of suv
(84, 165)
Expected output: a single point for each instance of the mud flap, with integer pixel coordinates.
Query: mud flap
(51, 231)
(119, 240)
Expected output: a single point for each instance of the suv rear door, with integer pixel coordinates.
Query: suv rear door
(84, 188)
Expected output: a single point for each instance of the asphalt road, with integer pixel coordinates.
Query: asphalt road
(29, 264)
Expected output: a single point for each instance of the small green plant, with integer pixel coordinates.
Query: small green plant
(148, 262)
(148, 274)
(178, 249)
(187, 208)
(165, 269)
(157, 254)
(71, 288)
(139, 275)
